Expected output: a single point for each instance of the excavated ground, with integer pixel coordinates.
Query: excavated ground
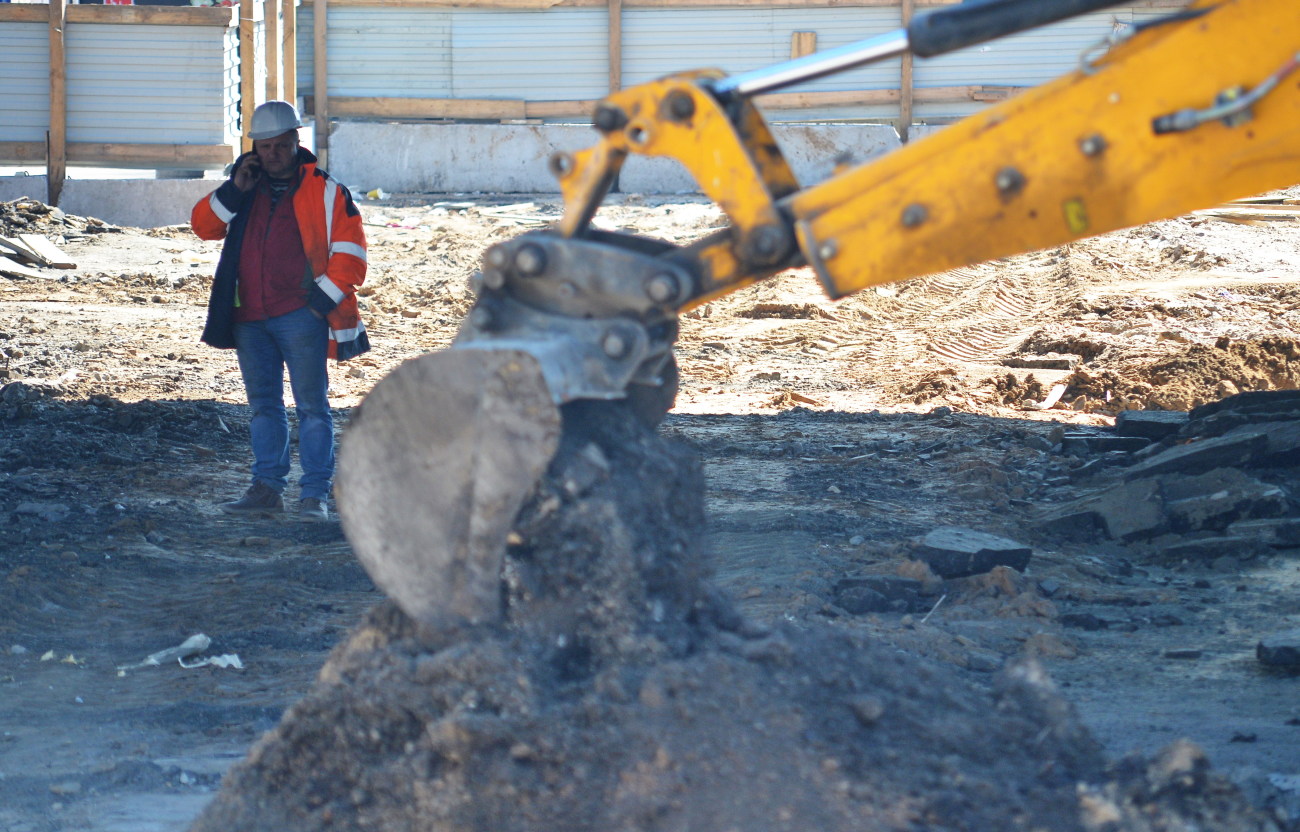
(784, 658)
(621, 693)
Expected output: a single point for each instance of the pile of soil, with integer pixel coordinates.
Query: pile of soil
(1194, 377)
(621, 691)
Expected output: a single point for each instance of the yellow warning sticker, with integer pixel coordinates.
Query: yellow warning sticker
(1076, 215)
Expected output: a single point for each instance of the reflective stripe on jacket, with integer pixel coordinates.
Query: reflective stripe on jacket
(332, 237)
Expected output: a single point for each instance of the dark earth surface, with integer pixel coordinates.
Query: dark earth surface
(822, 677)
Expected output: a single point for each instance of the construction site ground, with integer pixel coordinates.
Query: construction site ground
(834, 436)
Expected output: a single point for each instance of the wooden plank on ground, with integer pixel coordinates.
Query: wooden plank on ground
(14, 248)
(48, 251)
(13, 269)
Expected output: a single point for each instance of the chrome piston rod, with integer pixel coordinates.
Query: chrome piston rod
(812, 67)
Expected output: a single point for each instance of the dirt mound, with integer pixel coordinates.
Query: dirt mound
(1194, 377)
(622, 692)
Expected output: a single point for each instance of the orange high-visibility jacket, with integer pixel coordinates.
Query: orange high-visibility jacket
(332, 237)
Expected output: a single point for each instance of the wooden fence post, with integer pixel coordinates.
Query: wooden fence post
(905, 81)
(320, 78)
(289, 50)
(56, 138)
(247, 72)
(615, 45)
(271, 24)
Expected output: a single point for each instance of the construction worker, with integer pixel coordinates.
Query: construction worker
(284, 296)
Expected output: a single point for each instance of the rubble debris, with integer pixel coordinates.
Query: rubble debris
(11, 268)
(861, 594)
(955, 552)
(46, 252)
(1150, 424)
(620, 691)
(1203, 455)
(1100, 443)
(1280, 649)
(1128, 511)
(1199, 489)
(1211, 548)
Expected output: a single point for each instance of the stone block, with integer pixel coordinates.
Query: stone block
(1210, 549)
(1280, 649)
(1101, 443)
(1214, 499)
(954, 552)
(1227, 451)
(1150, 424)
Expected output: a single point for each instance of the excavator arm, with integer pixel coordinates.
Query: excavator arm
(1187, 111)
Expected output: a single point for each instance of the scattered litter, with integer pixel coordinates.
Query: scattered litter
(225, 661)
(72, 660)
(193, 645)
(377, 193)
(1285, 782)
(1052, 398)
(47, 656)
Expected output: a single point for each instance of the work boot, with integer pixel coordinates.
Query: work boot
(260, 498)
(313, 510)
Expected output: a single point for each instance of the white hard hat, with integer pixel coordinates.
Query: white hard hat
(273, 118)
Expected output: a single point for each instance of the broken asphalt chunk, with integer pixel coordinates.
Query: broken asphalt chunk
(1227, 451)
(1280, 649)
(1214, 499)
(955, 552)
(1127, 511)
(1077, 442)
(861, 594)
(1150, 424)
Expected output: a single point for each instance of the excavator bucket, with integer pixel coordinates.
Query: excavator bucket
(434, 469)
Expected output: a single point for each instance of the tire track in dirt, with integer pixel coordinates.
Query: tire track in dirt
(975, 315)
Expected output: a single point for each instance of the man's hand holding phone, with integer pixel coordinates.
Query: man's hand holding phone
(248, 169)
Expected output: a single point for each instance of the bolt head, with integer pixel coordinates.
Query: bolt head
(662, 288)
(1093, 145)
(614, 345)
(530, 260)
(680, 105)
(828, 250)
(607, 118)
(914, 215)
(481, 318)
(561, 164)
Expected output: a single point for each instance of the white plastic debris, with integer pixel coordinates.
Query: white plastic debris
(1052, 398)
(225, 661)
(192, 646)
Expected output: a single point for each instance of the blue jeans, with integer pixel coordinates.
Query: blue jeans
(297, 340)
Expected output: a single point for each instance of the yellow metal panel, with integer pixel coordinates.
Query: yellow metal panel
(1074, 158)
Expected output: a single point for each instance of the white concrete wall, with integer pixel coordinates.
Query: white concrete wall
(510, 158)
(144, 203)
(449, 158)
